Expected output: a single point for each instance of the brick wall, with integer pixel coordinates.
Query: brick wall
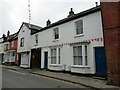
(111, 27)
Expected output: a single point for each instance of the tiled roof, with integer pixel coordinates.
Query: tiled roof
(12, 37)
(75, 16)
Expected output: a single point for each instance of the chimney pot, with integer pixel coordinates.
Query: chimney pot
(96, 4)
(8, 33)
(4, 36)
(71, 12)
(48, 22)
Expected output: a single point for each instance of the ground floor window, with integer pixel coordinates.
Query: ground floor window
(80, 55)
(55, 55)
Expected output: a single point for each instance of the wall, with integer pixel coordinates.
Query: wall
(27, 40)
(25, 61)
(15, 44)
(111, 24)
(15, 47)
(92, 29)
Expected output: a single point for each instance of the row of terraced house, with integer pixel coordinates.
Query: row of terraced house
(74, 44)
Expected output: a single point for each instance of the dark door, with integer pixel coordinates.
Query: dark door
(45, 60)
(36, 58)
(19, 59)
(100, 60)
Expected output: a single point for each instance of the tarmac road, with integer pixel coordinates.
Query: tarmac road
(14, 79)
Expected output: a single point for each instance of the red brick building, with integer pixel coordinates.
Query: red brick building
(13, 42)
(111, 26)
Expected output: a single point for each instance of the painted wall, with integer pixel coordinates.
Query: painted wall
(25, 32)
(27, 39)
(6, 56)
(92, 29)
(1, 48)
(15, 44)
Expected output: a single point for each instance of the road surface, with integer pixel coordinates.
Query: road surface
(15, 79)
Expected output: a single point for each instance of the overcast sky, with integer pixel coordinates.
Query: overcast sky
(14, 12)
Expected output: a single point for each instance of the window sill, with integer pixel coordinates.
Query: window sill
(56, 40)
(80, 35)
(56, 65)
(79, 66)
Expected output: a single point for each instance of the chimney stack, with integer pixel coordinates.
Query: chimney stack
(8, 33)
(96, 4)
(4, 37)
(48, 22)
(71, 13)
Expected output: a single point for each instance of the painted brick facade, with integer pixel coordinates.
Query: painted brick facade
(15, 45)
(14, 48)
(111, 26)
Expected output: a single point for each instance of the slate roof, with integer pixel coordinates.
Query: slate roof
(33, 28)
(75, 16)
(12, 37)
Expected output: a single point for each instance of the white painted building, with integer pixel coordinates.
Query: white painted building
(24, 43)
(71, 44)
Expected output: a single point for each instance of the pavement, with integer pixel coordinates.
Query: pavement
(82, 80)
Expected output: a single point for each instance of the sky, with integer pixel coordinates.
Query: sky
(14, 12)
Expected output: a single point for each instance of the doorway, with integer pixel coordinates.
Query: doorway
(100, 60)
(45, 60)
(36, 58)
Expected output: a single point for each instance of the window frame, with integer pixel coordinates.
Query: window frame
(77, 29)
(84, 55)
(22, 42)
(57, 56)
(56, 35)
(12, 44)
(6, 47)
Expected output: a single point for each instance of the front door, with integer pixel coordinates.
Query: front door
(100, 60)
(36, 58)
(19, 59)
(45, 60)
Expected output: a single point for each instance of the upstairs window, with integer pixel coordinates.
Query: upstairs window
(36, 39)
(6, 47)
(22, 42)
(56, 33)
(12, 43)
(79, 27)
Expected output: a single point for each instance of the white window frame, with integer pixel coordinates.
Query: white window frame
(12, 44)
(22, 42)
(84, 55)
(76, 29)
(53, 57)
(54, 33)
(57, 56)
